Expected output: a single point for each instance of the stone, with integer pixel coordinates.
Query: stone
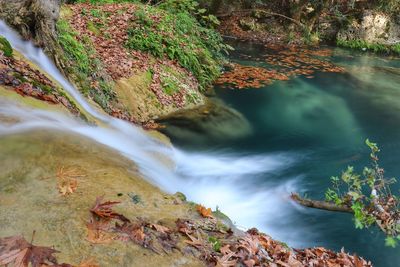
(374, 27)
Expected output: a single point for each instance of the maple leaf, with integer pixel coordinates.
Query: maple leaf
(66, 173)
(67, 179)
(67, 187)
(184, 226)
(205, 212)
(225, 261)
(17, 250)
(198, 242)
(98, 231)
(226, 250)
(251, 244)
(104, 210)
(160, 228)
(135, 232)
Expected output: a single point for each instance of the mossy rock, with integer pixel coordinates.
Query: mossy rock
(5, 46)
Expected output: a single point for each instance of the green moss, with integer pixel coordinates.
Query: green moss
(74, 50)
(373, 47)
(5, 46)
(83, 64)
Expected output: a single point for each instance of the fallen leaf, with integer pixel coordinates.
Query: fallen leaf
(16, 250)
(198, 242)
(225, 261)
(67, 187)
(104, 210)
(160, 228)
(205, 212)
(98, 232)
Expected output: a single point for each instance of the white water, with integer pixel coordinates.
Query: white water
(213, 179)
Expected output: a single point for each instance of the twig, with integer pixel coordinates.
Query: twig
(266, 12)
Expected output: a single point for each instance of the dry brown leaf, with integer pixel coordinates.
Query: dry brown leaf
(98, 232)
(67, 187)
(197, 242)
(104, 210)
(205, 212)
(225, 261)
(17, 251)
(161, 229)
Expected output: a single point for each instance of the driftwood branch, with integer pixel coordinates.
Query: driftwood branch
(317, 204)
(267, 13)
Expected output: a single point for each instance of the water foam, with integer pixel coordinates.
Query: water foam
(213, 179)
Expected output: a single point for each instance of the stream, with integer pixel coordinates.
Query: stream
(313, 129)
(302, 132)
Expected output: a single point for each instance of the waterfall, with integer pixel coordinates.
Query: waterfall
(212, 179)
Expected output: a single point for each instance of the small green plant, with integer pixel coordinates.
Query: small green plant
(5, 46)
(170, 84)
(369, 196)
(215, 242)
(179, 36)
(365, 46)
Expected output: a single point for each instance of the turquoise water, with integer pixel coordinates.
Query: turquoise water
(322, 124)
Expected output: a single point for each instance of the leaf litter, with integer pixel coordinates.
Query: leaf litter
(282, 63)
(247, 249)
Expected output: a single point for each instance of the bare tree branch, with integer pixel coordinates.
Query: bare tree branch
(317, 204)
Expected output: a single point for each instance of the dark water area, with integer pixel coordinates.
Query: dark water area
(322, 123)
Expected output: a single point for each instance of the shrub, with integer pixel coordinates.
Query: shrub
(369, 196)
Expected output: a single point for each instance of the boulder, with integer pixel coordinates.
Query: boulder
(373, 27)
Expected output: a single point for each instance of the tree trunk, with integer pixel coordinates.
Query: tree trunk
(35, 20)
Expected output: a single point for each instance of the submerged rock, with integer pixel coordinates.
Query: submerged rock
(213, 121)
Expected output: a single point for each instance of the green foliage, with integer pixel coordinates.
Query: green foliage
(75, 51)
(390, 6)
(369, 196)
(365, 46)
(5, 46)
(178, 36)
(191, 7)
(169, 84)
(80, 56)
(215, 242)
(102, 1)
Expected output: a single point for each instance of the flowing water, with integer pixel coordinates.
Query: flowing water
(319, 126)
(303, 131)
(213, 179)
